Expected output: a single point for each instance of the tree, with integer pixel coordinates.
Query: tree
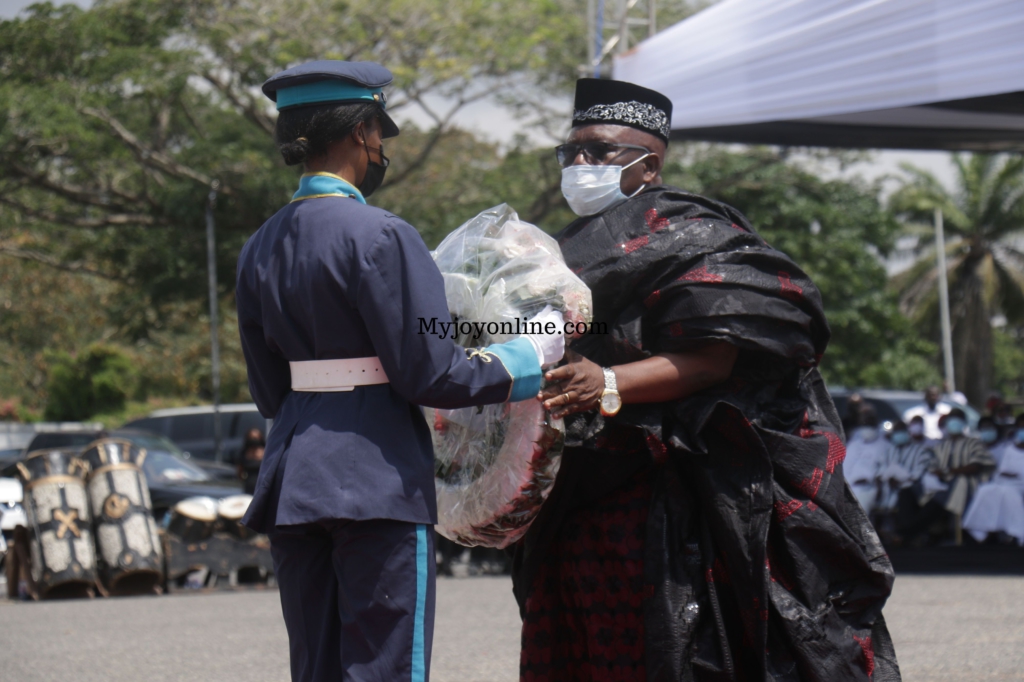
(827, 227)
(115, 121)
(100, 379)
(984, 221)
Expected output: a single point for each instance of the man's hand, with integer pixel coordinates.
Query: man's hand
(577, 386)
(573, 387)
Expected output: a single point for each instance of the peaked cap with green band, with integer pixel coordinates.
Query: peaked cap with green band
(330, 81)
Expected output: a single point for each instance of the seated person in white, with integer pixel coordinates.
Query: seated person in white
(905, 461)
(998, 506)
(865, 450)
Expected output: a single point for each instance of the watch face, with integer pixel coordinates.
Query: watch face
(611, 402)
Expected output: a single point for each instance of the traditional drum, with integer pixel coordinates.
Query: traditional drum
(63, 561)
(193, 520)
(495, 465)
(130, 554)
(230, 511)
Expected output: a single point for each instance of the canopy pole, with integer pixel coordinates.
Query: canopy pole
(211, 265)
(947, 334)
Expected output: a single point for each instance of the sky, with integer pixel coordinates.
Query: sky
(492, 121)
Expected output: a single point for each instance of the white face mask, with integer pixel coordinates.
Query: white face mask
(592, 189)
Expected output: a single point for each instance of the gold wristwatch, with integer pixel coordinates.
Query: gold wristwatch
(611, 401)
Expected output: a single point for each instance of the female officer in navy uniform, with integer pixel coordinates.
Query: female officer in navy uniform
(330, 295)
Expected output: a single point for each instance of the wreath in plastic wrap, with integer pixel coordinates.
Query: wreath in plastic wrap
(494, 465)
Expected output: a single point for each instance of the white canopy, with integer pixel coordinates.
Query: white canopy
(912, 74)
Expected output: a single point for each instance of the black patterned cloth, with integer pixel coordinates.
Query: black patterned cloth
(758, 562)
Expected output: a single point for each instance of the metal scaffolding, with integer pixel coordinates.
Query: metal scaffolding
(614, 26)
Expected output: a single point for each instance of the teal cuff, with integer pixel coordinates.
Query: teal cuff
(520, 359)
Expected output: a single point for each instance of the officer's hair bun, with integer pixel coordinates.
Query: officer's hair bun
(295, 152)
(304, 133)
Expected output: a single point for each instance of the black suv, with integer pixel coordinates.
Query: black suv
(192, 428)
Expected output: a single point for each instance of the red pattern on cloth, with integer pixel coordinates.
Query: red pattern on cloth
(584, 615)
(783, 510)
(810, 486)
(869, 653)
(654, 221)
(836, 452)
(836, 449)
(634, 244)
(790, 290)
(701, 274)
(652, 298)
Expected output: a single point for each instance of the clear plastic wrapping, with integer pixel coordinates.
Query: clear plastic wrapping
(495, 464)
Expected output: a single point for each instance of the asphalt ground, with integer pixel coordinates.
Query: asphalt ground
(946, 628)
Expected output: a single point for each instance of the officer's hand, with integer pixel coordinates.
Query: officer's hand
(550, 346)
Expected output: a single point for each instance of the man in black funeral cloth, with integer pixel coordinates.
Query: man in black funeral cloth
(700, 527)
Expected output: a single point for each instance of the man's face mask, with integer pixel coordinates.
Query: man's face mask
(868, 433)
(592, 189)
(988, 435)
(955, 426)
(900, 438)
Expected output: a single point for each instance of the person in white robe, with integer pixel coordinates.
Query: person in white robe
(998, 506)
(865, 451)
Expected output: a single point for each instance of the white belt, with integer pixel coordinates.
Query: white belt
(325, 376)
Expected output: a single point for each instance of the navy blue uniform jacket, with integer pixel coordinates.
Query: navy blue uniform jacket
(326, 278)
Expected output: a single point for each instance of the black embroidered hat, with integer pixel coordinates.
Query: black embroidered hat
(624, 104)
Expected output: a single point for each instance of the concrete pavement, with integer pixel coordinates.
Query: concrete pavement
(945, 627)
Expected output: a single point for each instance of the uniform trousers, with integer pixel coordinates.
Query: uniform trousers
(358, 599)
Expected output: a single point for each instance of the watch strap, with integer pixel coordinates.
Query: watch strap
(609, 380)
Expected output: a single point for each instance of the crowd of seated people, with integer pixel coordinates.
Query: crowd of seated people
(933, 477)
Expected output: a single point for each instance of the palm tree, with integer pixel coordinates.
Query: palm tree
(984, 228)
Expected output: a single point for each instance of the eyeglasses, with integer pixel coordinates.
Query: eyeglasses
(595, 153)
